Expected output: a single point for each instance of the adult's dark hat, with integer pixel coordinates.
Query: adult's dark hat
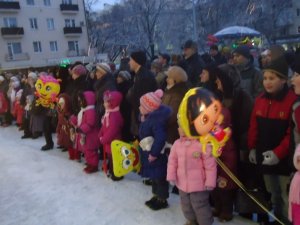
(139, 57)
(165, 56)
(243, 50)
(190, 44)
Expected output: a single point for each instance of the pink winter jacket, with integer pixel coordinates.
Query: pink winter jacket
(190, 168)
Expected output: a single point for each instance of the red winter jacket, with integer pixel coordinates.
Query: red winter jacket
(3, 103)
(269, 128)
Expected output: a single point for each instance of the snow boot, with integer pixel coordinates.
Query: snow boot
(90, 169)
(158, 204)
(150, 201)
(71, 153)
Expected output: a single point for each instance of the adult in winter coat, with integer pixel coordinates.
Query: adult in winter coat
(177, 86)
(144, 82)
(269, 134)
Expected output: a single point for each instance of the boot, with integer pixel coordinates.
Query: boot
(90, 169)
(191, 222)
(47, 147)
(77, 155)
(150, 201)
(71, 153)
(158, 203)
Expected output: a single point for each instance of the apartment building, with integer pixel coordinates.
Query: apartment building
(38, 33)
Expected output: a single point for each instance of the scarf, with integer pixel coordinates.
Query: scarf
(80, 114)
(105, 118)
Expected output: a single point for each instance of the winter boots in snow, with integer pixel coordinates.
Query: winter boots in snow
(156, 203)
(90, 169)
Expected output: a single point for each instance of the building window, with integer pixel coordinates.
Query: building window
(53, 46)
(69, 23)
(14, 48)
(37, 47)
(10, 21)
(73, 46)
(50, 23)
(67, 2)
(47, 3)
(33, 23)
(30, 2)
(298, 12)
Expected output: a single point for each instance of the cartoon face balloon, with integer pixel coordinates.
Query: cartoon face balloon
(200, 116)
(47, 89)
(125, 158)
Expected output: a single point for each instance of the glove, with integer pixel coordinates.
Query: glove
(146, 143)
(78, 130)
(270, 158)
(151, 158)
(252, 156)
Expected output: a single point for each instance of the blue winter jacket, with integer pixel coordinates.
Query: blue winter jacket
(155, 125)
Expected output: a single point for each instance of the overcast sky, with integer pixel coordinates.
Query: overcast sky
(102, 2)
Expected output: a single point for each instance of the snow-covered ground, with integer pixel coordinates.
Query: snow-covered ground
(45, 188)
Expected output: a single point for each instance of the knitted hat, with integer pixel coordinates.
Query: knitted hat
(177, 74)
(139, 57)
(79, 70)
(124, 74)
(103, 66)
(151, 100)
(279, 66)
(114, 98)
(243, 50)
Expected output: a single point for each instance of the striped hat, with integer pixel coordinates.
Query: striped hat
(151, 100)
(104, 67)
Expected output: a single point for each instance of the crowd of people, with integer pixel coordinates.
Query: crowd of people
(98, 104)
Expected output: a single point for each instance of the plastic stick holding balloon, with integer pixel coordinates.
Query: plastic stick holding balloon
(47, 89)
(200, 117)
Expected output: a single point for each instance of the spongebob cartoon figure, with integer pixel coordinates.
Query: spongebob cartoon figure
(47, 89)
(126, 157)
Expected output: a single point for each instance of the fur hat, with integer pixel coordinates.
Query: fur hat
(79, 70)
(279, 66)
(124, 74)
(114, 98)
(139, 57)
(151, 100)
(103, 66)
(32, 75)
(177, 74)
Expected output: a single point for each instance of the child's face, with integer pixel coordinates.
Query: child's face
(61, 103)
(207, 118)
(204, 76)
(296, 83)
(272, 83)
(119, 79)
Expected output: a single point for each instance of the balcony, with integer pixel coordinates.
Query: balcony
(69, 8)
(12, 32)
(81, 52)
(72, 31)
(9, 6)
(17, 57)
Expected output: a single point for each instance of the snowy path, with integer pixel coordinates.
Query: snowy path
(45, 188)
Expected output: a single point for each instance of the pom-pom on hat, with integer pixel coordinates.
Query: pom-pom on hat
(114, 98)
(139, 57)
(151, 100)
(79, 70)
(279, 66)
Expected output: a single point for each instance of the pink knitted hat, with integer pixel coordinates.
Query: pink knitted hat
(79, 70)
(151, 100)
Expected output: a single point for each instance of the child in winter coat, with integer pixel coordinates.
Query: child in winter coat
(4, 106)
(63, 125)
(18, 109)
(111, 129)
(26, 117)
(194, 173)
(86, 139)
(154, 120)
(294, 195)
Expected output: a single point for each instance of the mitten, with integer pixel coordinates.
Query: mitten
(270, 158)
(252, 156)
(146, 143)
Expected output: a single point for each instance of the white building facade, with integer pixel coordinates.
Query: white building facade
(38, 33)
